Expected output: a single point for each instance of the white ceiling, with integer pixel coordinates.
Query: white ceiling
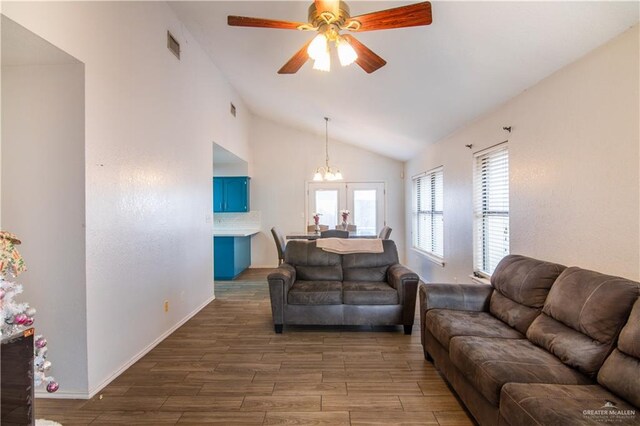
(475, 56)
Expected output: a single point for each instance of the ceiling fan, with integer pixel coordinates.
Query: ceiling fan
(328, 18)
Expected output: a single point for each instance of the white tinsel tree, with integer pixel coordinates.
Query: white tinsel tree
(15, 316)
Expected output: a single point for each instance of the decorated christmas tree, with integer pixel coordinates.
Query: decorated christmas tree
(16, 316)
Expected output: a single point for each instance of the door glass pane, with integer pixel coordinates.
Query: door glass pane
(327, 206)
(364, 211)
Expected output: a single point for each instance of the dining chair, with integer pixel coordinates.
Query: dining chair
(385, 233)
(280, 244)
(311, 228)
(350, 228)
(335, 233)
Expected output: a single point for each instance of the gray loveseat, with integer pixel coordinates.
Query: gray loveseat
(315, 287)
(543, 345)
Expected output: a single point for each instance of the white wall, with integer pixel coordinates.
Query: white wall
(285, 158)
(574, 167)
(43, 203)
(150, 124)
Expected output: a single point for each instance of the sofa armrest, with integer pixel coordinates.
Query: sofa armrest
(280, 281)
(459, 297)
(405, 281)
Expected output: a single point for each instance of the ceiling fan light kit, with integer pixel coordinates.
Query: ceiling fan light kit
(328, 18)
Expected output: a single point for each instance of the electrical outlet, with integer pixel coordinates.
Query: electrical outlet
(166, 306)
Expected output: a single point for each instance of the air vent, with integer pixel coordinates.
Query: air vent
(233, 110)
(173, 45)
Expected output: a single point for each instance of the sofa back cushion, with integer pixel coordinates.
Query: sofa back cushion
(582, 317)
(521, 286)
(370, 266)
(313, 263)
(620, 372)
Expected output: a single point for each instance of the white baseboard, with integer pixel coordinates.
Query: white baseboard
(115, 374)
(60, 395)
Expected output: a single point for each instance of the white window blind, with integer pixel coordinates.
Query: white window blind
(428, 229)
(491, 208)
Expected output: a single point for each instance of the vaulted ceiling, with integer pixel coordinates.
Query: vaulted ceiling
(475, 56)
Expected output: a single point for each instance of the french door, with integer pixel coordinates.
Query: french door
(365, 200)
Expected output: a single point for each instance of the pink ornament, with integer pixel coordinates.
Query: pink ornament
(41, 342)
(20, 319)
(29, 322)
(52, 386)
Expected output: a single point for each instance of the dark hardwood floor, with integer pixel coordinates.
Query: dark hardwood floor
(227, 366)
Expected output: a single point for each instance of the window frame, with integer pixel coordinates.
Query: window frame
(481, 211)
(431, 176)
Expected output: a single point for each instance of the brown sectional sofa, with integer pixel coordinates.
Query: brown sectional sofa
(315, 287)
(538, 346)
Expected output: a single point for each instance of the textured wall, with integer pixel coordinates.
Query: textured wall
(150, 124)
(574, 161)
(43, 203)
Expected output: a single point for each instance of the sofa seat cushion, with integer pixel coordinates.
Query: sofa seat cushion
(546, 404)
(369, 293)
(447, 323)
(315, 293)
(489, 363)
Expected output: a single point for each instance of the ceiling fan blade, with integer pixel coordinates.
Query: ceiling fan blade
(328, 6)
(297, 61)
(245, 21)
(367, 60)
(399, 17)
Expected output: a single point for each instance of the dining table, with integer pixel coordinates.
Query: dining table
(306, 235)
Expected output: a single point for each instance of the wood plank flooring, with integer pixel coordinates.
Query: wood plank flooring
(227, 366)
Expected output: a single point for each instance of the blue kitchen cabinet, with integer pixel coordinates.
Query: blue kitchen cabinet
(231, 256)
(231, 194)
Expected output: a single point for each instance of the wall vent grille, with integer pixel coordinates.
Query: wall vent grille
(173, 45)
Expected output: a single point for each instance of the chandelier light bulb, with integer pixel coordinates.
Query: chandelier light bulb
(323, 62)
(346, 53)
(317, 177)
(338, 175)
(317, 47)
(329, 176)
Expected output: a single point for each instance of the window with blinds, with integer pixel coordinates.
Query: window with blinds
(428, 228)
(491, 208)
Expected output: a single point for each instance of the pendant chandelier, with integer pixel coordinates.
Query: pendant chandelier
(326, 173)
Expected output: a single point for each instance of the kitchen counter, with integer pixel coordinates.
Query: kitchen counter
(234, 232)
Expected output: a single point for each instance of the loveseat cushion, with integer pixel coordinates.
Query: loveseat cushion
(582, 317)
(315, 293)
(489, 363)
(620, 372)
(563, 405)
(368, 293)
(312, 263)
(521, 287)
(370, 266)
(446, 323)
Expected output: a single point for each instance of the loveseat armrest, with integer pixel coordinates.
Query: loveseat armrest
(459, 297)
(401, 278)
(405, 281)
(280, 281)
